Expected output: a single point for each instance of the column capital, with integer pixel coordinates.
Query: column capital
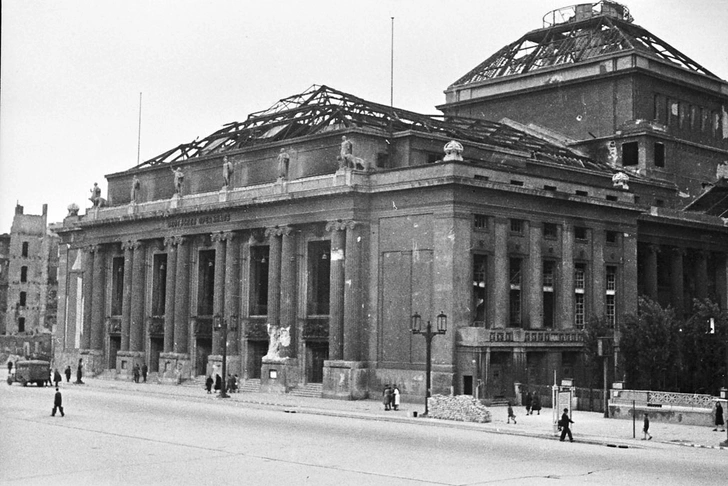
(169, 241)
(128, 245)
(180, 240)
(278, 230)
(228, 235)
(678, 251)
(217, 237)
(654, 248)
(336, 225)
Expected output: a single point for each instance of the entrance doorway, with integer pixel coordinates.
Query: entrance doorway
(204, 349)
(156, 345)
(257, 349)
(316, 354)
(114, 347)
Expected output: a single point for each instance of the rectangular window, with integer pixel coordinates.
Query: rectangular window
(612, 198)
(479, 290)
(580, 233)
(23, 296)
(581, 193)
(659, 154)
(579, 295)
(117, 285)
(259, 256)
(549, 271)
(549, 188)
(21, 324)
(611, 237)
(480, 222)
(660, 112)
(704, 119)
(673, 112)
(517, 226)
(516, 183)
(159, 284)
(515, 293)
(550, 231)
(25, 250)
(611, 297)
(319, 268)
(694, 117)
(630, 154)
(206, 283)
(716, 125)
(23, 274)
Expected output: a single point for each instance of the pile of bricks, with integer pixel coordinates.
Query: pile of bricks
(462, 408)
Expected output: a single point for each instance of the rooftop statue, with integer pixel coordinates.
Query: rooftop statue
(346, 155)
(179, 179)
(453, 151)
(96, 200)
(227, 171)
(135, 186)
(283, 160)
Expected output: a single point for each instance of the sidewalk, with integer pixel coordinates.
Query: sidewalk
(588, 427)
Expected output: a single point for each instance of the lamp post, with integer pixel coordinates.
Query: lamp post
(603, 350)
(428, 333)
(221, 324)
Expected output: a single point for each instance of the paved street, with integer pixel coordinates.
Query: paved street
(123, 433)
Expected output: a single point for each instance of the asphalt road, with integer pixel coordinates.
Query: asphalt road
(116, 438)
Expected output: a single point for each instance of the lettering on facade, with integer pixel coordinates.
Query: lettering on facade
(198, 220)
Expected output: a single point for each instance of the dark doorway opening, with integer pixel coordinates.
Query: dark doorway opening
(316, 354)
(114, 347)
(156, 345)
(204, 349)
(467, 385)
(257, 349)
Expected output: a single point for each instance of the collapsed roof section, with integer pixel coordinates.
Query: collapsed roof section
(714, 201)
(320, 109)
(577, 34)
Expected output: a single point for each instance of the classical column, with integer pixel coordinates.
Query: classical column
(701, 274)
(598, 305)
(181, 294)
(88, 285)
(353, 292)
(127, 246)
(232, 284)
(336, 290)
(651, 271)
(136, 335)
(288, 289)
(97, 299)
(677, 290)
(566, 289)
(169, 244)
(274, 275)
(535, 280)
(218, 299)
(500, 278)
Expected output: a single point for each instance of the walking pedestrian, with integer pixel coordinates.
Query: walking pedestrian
(57, 377)
(387, 393)
(79, 372)
(646, 428)
(527, 400)
(218, 381)
(145, 370)
(719, 421)
(511, 415)
(68, 374)
(10, 367)
(57, 404)
(208, 383)
(395, 397)
(135, 373)
(536, 404)
(564, 424)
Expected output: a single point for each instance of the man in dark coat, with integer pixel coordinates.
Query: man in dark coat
(218, 382)
(564, 423)
(527, 400)
(58, 404)
(536, 404)
(56, 377)
(719, 422)
(68, 374)
(208, 383)
(79, 372)
(145, 370)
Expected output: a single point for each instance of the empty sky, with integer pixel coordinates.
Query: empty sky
(72, 71)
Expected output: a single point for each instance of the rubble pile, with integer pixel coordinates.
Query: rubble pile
(462, 408)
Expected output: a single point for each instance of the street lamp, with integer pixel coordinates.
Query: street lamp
(428, 333)
(221, 324)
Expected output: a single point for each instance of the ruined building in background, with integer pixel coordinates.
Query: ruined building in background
(299, 242)
(30, 279)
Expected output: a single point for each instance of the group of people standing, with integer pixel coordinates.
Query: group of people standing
(532, 402)
(231, 384)
(391, 397)
(137, 372)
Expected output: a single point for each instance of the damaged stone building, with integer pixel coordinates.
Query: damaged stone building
(573, 170)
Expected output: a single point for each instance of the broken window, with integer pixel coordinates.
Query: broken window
(319, 278)
(659, 154)
(630, 154)
(259, 256)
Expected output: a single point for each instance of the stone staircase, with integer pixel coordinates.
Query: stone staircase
(310, 390)
(251, 385)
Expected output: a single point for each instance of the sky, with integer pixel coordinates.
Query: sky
(71, 71)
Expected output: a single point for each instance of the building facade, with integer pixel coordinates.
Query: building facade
(299, 243)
